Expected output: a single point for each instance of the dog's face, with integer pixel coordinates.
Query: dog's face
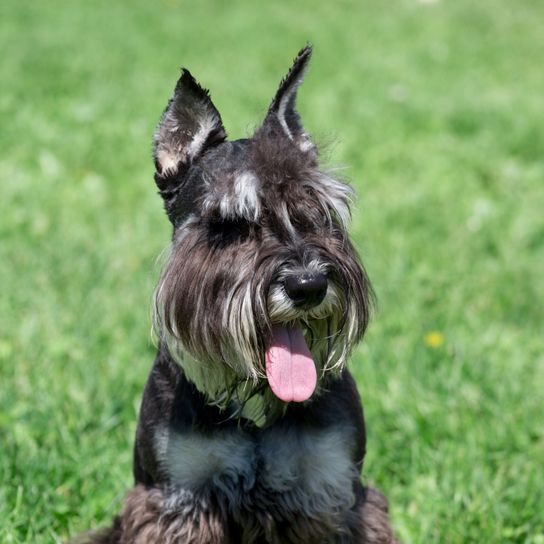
(263, 288)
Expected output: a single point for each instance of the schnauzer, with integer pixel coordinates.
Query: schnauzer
(251, 429)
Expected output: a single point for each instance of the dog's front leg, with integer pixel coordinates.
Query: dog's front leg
(151, 515)
(369, 521)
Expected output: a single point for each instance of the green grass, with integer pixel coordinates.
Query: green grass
(436, 110)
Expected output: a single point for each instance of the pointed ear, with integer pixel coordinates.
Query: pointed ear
(282, 110)
(190, 123)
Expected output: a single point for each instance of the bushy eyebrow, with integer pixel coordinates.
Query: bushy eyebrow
(239, 198)
(333, 195)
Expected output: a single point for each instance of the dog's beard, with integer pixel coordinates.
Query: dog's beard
(221, 343)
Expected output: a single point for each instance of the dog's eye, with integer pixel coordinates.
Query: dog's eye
(313, 220)
(228, 231)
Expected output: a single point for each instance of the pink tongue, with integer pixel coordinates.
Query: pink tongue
(290, 368)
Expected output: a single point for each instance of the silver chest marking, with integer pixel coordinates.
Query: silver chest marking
(313, 467)
(194, 460)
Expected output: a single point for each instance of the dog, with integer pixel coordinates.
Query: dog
(251, 428)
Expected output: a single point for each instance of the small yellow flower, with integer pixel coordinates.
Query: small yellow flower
(434, 339)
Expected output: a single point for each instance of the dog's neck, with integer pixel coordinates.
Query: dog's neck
(238, 399)
(243, 400)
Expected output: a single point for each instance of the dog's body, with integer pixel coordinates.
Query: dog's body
(251, 429)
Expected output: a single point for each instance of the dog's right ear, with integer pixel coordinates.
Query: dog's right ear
(189, 125)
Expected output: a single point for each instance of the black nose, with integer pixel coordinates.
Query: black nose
(306, 290)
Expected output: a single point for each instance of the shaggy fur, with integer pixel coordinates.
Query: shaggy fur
(143, 521)
(219, 458)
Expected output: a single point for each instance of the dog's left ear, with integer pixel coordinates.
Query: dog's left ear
(282, 111)
(189, 125)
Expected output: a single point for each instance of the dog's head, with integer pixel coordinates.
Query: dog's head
(262, 287)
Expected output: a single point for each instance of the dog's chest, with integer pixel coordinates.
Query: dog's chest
(310, 469)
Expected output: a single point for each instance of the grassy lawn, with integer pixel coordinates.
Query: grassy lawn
(435, 108)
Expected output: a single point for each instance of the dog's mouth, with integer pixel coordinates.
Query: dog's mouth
(290, 368)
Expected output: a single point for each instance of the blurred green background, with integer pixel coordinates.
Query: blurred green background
(435, 108)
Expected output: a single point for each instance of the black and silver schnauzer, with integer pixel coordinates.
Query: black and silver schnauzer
(251, 429)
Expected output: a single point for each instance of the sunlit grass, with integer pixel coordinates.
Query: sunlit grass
(436, 110)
